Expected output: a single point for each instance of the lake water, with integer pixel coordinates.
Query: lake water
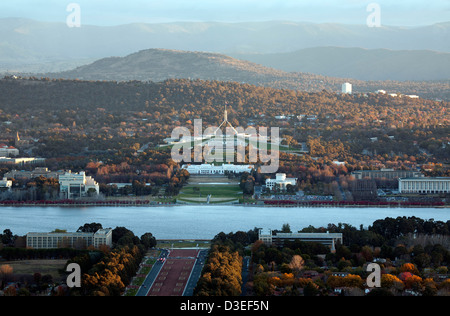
(197, 222)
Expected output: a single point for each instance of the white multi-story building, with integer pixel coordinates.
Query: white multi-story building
(69, 240)
(280, 182)
(278, 239)
(75, 185)
(209, 169)
(20, 161)
(36, 173)
(8, 151)
(386, 174)
(5, 183)
(347, 88)
(424, 185)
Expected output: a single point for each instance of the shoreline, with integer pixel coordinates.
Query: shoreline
(271, 204)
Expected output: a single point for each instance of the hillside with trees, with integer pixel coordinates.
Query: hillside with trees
(113, 129)
(158, 65)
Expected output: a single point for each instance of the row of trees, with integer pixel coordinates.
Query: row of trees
(392, 283)
(222, 274)
(296, 268)
(109, 275)
(105, 271)
(113, 273)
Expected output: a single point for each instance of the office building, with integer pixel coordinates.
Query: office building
(8, 151)
(389, 174)
(36, 173)
(75, 185)
(21, 161)
(5, 184)
(271, 238)
(424, 185)
(209, 169)
(347, 88)
(280, 182)
(69, 240)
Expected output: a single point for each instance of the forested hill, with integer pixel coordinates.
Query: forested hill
(71, 112)
(161, 64)
(195, 98)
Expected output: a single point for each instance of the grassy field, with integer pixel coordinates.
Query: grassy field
(52, 267)
(198, 193)
(222, 191)
(256, 144)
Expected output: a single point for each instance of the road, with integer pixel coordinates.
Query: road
(245, 272)
(196, 273)
(151, 277)
(344, 198)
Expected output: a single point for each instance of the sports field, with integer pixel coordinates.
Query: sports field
(29, 267)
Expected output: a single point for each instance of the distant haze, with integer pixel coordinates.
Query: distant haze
(32, 46)
(101, 13)
(361, 64)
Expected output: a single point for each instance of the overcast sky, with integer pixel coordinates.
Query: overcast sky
(115, 12)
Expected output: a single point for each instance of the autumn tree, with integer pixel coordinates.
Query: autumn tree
(297, 263)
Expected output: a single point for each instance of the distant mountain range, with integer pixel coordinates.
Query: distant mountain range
(162, 64)
(361, 64)
(32, 46)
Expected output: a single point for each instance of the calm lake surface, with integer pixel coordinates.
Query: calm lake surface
(197, 222)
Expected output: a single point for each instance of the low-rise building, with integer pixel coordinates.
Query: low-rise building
(424, 185)
(271, 238)
(36, 173)
(75, 185)
(386, 174)
(280, 182)
(69, 240)
(8, 151)
(5, 184)
(209, 169)
(21, 161)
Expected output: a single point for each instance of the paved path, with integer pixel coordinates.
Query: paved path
(173, 277)
(177, 275)
(151, 277)
(245, 273)
(196, 273)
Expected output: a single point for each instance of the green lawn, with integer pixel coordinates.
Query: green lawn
(268, 145)
(216, 191)
(219, 193)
